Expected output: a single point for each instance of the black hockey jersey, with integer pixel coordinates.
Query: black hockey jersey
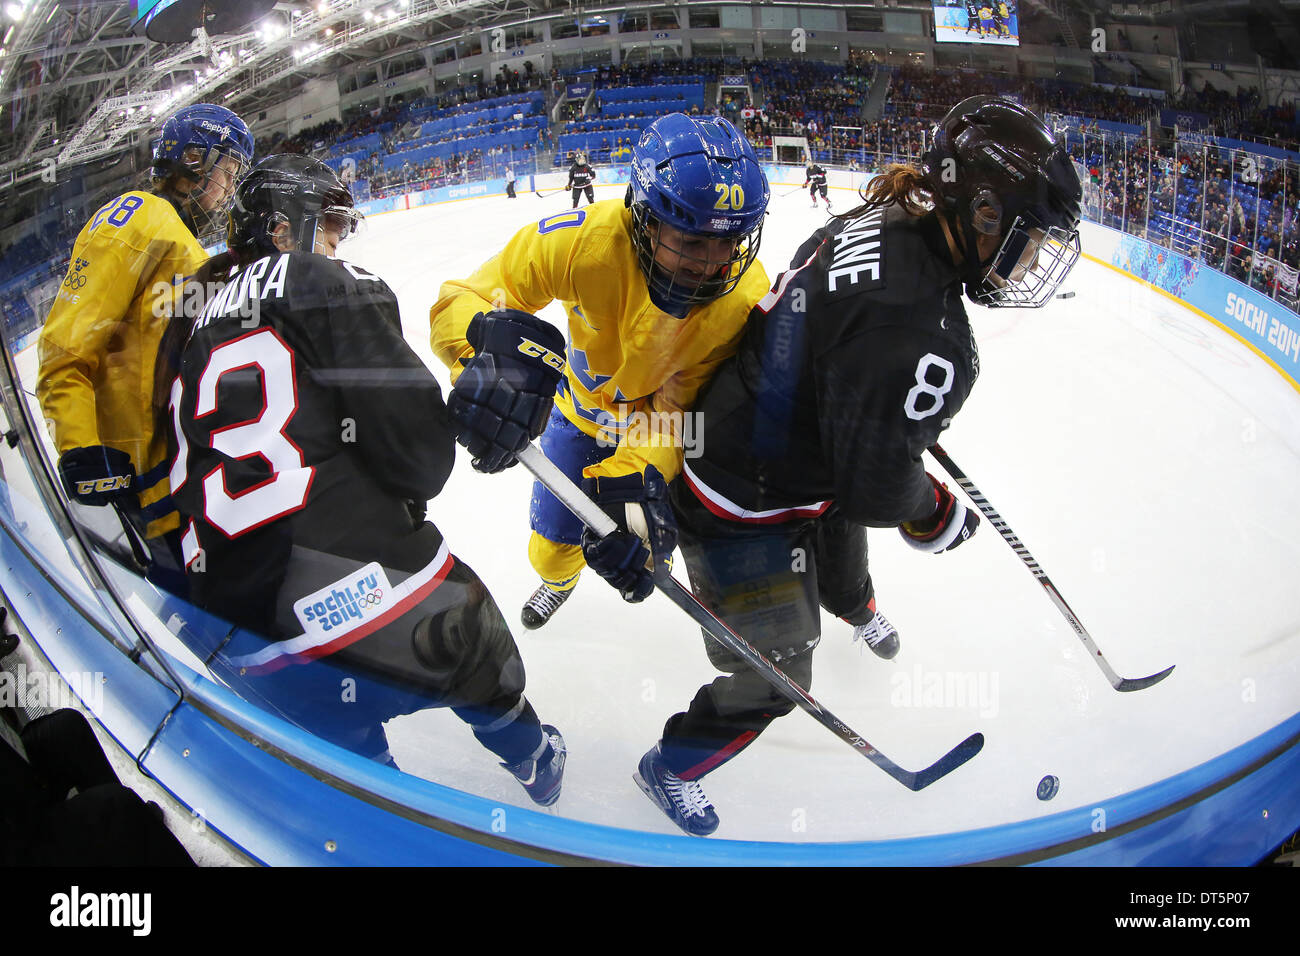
(816, 175)
(581, 177)
(849, 368)
(301, 422)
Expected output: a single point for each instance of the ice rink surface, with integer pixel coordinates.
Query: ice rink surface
(1147, 458)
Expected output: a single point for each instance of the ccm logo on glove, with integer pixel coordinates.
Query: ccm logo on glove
(104, 484)
(533, 350)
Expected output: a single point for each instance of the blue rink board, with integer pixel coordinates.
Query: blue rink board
(240, 769)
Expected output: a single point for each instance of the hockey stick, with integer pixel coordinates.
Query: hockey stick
(551, 192)
(1123, 684)
(133, 538)
(584, 508)
(796, 189)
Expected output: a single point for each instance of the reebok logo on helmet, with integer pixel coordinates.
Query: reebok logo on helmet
(215, 128)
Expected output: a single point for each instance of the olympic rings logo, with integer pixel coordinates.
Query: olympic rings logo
(374, 597)
(74, 281)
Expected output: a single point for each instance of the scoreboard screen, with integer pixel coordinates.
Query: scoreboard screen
(993, 22)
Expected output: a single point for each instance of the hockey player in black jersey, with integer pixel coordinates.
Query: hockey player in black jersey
(972, 16)
(308, 437)
(815, 180)
(850, 367)
(581, 176)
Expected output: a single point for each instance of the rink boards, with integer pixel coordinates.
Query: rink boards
(250, 776)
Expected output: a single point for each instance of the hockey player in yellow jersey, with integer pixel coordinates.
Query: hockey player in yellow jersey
(98, 347)
(657, 288)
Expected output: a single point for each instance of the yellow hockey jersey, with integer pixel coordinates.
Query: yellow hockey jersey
(99, 344)
(633, 370)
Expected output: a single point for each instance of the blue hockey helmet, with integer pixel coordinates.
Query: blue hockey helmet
(700, 177)
(211, 145)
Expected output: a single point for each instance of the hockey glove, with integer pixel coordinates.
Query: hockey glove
(951, 524)
(97, 475)
(502, 399)
(642, 547)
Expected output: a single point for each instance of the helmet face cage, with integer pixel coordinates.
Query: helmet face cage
(291, 198)
(217, 164)
(346, 221)
(694, 279)
(1028, 267)
(1015, 183)
(698, 197)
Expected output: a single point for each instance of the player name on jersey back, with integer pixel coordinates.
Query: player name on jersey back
(858, 254)
(245, 289)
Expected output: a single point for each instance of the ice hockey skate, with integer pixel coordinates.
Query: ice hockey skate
(880, 636)
(542, 605)
(542, 774)
(682, 800)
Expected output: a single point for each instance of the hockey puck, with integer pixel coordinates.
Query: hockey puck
(1047, 787)
(1065, 295)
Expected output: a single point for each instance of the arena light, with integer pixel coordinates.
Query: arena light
(13, 11)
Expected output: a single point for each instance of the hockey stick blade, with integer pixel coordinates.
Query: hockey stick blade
(596, 519)
(1121, 684)
(724, 635)
(1142, 683)
(946, 764)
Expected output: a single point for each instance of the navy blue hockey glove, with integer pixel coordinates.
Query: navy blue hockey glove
(502, 399)
(643, 545)
(951, 524)
(97, 475)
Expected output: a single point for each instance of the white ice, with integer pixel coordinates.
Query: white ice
(1148, 460)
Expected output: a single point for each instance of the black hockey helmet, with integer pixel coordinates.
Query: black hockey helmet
(999, 171)
(297, 191)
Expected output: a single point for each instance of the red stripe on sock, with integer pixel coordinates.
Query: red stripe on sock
(704, 766)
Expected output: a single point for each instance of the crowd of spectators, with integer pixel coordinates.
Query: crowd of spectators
(1234, 211)
(1236, 214)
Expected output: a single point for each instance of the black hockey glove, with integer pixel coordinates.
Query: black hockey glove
(97, 475)
(951, 524)
(642, 547)
(502, 399)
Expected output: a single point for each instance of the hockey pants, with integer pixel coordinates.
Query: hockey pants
(444, 645)
(767, 583)
(555, 549)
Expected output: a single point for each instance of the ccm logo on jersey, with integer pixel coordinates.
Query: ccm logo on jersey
(533, 350)
(95, 485)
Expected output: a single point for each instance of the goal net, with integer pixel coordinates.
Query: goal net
(791, 150)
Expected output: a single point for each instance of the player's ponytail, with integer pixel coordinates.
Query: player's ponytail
(899, 183)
